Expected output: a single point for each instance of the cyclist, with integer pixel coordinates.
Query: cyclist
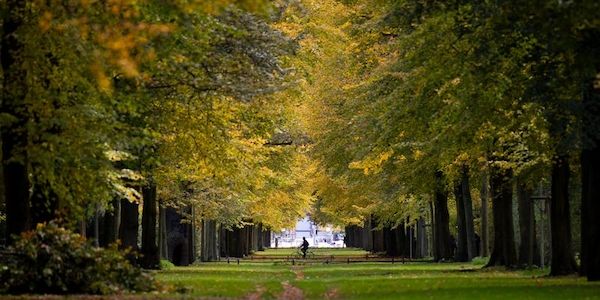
(304, 247)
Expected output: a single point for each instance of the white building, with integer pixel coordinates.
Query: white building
(315, 235)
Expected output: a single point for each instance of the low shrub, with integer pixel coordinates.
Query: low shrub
(54, 260)
(166, 265)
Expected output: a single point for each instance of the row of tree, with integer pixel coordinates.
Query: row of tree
(412, 101)
(109, 106)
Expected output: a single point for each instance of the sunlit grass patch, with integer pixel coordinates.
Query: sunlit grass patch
(227, 280)
(414, 280)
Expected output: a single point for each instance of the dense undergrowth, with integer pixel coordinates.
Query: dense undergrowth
(54, 260)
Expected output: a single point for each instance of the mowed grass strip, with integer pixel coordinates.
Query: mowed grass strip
(376, 281)
(227, 280)
(439, 281)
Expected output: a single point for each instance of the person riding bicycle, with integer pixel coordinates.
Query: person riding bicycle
(304, 247)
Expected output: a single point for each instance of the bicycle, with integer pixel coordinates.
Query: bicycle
(309, 254)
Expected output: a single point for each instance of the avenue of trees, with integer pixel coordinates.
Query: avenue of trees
(451, 111)
(423, 127)
(120, 113)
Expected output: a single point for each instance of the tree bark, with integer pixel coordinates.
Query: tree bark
(468, 213)
(590, 172)
(14, 134)
(484, 217)
(128, 231)
(208, 243)
(590, 212)
(150, 253)
(503, 253)
(443, 242)
(563, 260)
(461, 237)
(528, 249)
(162, 233)
(421, 238)
(110, 224)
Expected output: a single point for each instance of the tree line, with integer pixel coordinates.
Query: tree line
(168, 115)
(435, 108)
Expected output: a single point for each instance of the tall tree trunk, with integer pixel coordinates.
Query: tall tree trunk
(528, 249)
(590, 171)
(128, 231)
(150, 253)
(484, 217)
(433, 230)
(468, 213)
(261, 242)
(461, 237)
(590, 212)
(504, 253)
(421, 238)
(110, 223)
(367, 235)
(563, 260)
(208, 243)
(14, 134)
(443, 242)
(162, 233)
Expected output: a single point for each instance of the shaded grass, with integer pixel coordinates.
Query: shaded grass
(440, 281)
(378, 281)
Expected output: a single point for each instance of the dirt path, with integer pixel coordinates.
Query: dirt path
(257, 295)
(331, 294)
(290, 292)
(299, 272)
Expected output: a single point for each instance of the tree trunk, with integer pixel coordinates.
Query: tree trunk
(461, 237)
(590, 173)
(528, 249)
(110, 224)
(267, 238)
(421, 238)
(14, 135)
(162, 236)
(128, 231)
(504, 253)
(468, 213)
(367, 235)
(563, 260)
(443, 243)
(260, 235)
(485, 245)
(150, 253)
(590, 212)
(208, 243)
(433, 229)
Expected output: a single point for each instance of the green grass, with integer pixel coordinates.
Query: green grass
(227, 280)
(376, 281)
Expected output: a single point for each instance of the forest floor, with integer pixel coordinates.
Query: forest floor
(279, 279)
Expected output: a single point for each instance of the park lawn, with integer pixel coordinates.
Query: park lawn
(438, 281)
(375, 281)
(227, 280)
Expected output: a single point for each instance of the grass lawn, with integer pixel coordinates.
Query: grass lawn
(270, 280)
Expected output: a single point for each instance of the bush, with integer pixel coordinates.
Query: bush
(166, 265)
(54, 260)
